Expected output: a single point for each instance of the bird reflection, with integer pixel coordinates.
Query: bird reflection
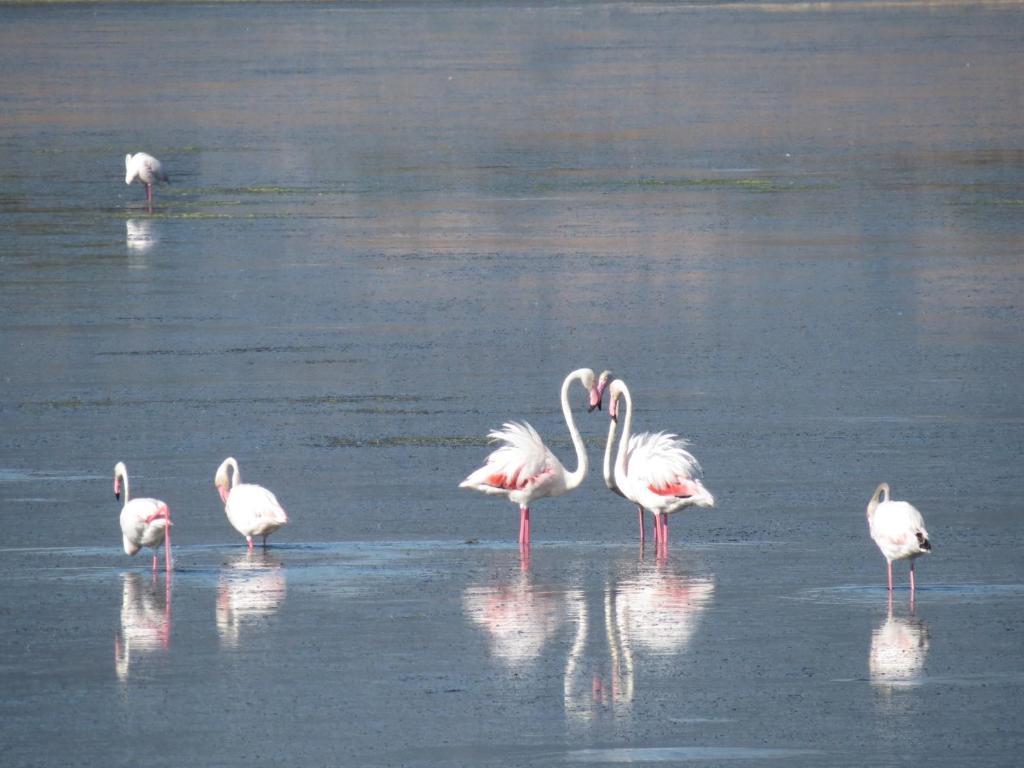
(599, 672)
(518, 618)
(641, 618)
(251, 587)
(658, 611)
(649, 617)
(140, 235)
(145, 620)
(899, 648)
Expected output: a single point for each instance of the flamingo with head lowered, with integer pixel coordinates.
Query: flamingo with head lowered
(251, 509)
(146, 169)
(144, 522)
(654, 471)
(524, 469)
(898, 530)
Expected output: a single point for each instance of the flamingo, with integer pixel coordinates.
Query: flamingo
(147, 169)
(608, 466)
(144, 522)
(251, 509)
(654, 471)
(524, 469)
(898, 530)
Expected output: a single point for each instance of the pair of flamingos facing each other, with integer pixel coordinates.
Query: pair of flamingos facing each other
(653, 470)
(251, 509)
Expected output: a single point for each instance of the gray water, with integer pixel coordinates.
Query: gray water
(795, 230)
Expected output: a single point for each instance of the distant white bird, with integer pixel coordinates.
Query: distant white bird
(654, 471)
(898, 530)
(524, 469)
(251, 509)
(147, 169)
(144, 522)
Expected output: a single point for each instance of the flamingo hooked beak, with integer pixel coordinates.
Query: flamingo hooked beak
(597, 392)
(117, 489)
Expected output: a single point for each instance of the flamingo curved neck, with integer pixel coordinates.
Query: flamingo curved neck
(573, 479)
(880, 496)
(124, 481)
(607, 468)
(235, 477)
(627, 426)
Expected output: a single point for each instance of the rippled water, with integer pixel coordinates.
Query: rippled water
(794, 229)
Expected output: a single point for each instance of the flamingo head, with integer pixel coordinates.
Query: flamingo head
(597, 391)
(130, 170)
(614, 392)
(120, 471)
(224, 479)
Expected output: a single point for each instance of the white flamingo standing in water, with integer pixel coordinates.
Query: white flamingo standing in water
(898, 530)
(524, 469)
(251, 509)
(608, 467)
(146, 169)
(654, 471)
(144, 522)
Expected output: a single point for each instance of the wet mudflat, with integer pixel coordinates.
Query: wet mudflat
(794, 230)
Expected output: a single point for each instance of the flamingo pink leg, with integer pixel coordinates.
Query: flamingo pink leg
(913, 587)
(524, 525)
(659, 526)
(664, 532)
(889, 563)
(167, 546)
(248, 540)
(640, 517)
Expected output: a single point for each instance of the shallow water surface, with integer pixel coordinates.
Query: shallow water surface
(794, 229)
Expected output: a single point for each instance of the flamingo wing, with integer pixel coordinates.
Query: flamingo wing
(522, 460)
(155, 168)
(898, 529)
(142, 524)
(252, 509)
(660, 463)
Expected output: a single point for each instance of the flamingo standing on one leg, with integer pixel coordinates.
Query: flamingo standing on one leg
(251, 509)
(144, 522)
(898, 530)
(147, 169)
(524, 469)
(654, 471)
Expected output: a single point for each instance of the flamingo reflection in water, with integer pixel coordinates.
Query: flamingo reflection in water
(899, 649)
(517, 617)
(140, 235)
(649, 618)
(145, 621)
(251, 588)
